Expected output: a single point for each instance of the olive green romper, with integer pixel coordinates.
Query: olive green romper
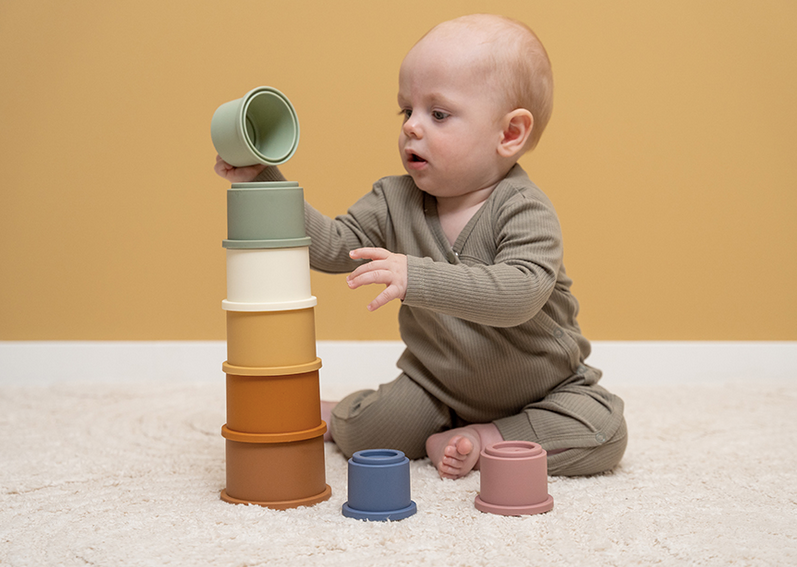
(490, 327)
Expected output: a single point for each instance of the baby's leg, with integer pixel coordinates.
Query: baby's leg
(326, 417)
(400, 415)
(456, 452)
(580, 425)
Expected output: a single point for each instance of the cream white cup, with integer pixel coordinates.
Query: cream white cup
(268, 275)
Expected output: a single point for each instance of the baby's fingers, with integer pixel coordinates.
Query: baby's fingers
(368, 274)
(389, 294)
(384, 268)
(369, 254)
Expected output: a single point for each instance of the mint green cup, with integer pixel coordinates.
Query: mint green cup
(265, 215)
(260, 128)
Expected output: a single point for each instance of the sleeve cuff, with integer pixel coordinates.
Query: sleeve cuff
(271, 173)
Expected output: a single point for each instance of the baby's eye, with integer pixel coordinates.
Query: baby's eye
(438, 115)
(405, 113)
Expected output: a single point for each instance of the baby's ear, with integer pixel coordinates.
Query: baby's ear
(516, 129)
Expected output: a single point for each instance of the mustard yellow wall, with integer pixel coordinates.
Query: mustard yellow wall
(671, 156)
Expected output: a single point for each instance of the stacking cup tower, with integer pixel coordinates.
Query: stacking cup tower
(274, 433)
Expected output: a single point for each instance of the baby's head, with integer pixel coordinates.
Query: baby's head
(515, 63)
(475, 93)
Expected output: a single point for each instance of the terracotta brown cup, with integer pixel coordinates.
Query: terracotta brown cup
(277, 471)
(514, 479)
(268, 400)
(270, 338)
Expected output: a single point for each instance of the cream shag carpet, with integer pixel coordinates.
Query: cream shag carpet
(119, 474)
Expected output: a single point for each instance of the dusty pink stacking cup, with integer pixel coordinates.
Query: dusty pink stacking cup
(514, 479)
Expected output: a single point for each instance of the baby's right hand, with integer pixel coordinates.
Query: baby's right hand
(237, 174)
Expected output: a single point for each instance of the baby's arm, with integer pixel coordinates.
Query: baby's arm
(385, 267)
(502, 291)
(333, 240)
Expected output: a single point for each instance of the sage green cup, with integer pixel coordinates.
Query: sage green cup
(265, 215)
(260, 128)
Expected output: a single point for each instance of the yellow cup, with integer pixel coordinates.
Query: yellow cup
(271, 338)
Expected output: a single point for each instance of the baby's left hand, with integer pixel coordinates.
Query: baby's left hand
(384, 268)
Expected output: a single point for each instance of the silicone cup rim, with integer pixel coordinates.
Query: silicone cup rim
(378, 457)
(514, 450)
(266, 244)
(392, 515)
(282, 504)
(252, 185)
(295, 305)
(271, 370)
(522, 510)
(241, 126)
(272, 438)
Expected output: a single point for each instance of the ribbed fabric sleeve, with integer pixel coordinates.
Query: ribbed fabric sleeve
(269, 174)
(500, 279)
(333, 239)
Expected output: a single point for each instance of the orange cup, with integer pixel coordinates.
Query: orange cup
(271, 338)
(273, 400)
(278, 471)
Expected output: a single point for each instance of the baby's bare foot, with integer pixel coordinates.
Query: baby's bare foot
(456, 452)
(454, 456)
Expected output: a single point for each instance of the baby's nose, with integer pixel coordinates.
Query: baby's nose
(412, 128)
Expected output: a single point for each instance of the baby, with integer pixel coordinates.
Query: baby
(473, 250)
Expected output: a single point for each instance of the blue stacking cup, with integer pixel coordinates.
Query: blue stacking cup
(379, 486)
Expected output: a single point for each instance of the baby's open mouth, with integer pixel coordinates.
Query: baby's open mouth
(413, 157)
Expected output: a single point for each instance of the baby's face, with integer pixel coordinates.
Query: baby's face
(452, 117)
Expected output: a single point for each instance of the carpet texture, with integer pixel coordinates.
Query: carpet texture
(130, 475)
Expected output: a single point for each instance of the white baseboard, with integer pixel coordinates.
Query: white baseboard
(352, 365)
